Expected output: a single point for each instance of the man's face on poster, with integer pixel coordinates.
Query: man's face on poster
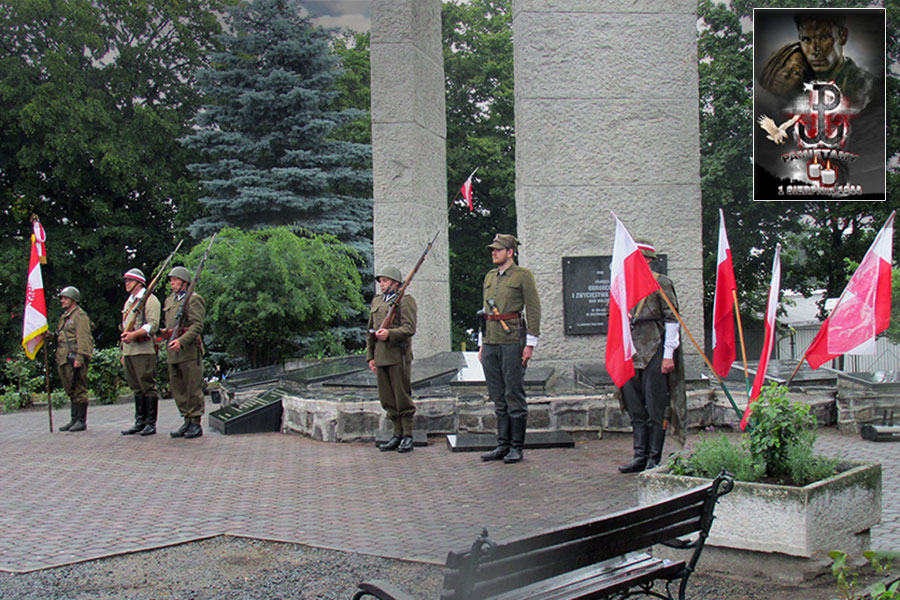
(822, 44)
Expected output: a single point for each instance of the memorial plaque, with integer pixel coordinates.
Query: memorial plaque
(586, 292)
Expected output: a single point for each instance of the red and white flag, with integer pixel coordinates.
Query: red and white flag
(466, 190)
(630, 282)
(864, 308)
(769, 340)
(724, 347)
(35, 323)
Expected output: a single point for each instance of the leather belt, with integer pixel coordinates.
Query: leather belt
(503, 317)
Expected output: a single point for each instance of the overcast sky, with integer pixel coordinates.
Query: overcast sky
(348, 14)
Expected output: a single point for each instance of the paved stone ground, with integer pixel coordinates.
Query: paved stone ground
(76, 497)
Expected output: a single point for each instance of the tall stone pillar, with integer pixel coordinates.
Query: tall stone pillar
(606, 120)
(409, 133)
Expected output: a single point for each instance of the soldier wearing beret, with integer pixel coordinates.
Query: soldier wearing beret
(508, 343)
(185, 352)
(389, 352)
(654, 332)
(74, 346)
(140, 321)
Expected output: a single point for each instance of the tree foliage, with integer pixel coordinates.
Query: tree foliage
(478, 68)
(265, 144)
(93, 95)
(272, 294)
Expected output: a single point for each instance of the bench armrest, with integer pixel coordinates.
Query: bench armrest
(381, 590)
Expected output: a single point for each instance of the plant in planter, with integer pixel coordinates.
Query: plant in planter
(778, 448)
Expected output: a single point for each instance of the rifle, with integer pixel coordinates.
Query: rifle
(139, 307)
(182, 315)
(389, 318)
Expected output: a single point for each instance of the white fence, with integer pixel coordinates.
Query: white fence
(886, 357)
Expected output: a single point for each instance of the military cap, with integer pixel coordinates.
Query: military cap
(70, 291)
(504, 241)
(180, 273)
(390, 273)
(646, 247)
(135, 274)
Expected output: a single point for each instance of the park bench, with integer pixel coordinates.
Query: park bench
(600, 558)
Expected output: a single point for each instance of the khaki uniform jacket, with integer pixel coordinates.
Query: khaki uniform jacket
(150, 315)
(648, 324)
(73, 336)
(399, 343)
(191, 348)
(513, 291)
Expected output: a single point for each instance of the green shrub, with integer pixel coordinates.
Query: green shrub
(712, 455)
(105, 376)
(776, 425)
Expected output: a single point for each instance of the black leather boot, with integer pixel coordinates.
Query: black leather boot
(502, 448)
(406, 444)
(193, 431)
(72, 418)
(151, 407)
(639, 462)
(140, 417)
(391, 444)
(657, 440)
(81, 416)
(180, 431)
(517, 449)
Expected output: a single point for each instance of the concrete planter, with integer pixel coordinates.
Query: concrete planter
(781, 533)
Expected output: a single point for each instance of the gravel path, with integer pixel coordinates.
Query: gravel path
(243, 569)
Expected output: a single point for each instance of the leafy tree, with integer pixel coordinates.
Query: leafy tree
(93, 95)
(355, 85)
(265, 140)
(271, 293)
(478, 68)
(817, 236)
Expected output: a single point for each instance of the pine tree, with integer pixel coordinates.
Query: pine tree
(266, 139)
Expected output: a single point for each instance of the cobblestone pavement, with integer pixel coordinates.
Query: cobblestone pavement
(70, 497)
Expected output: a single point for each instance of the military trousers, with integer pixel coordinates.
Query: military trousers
(186, 381)
(505, 378)
(395, 393)
(75, 382)
(646, 395)
(140, 374)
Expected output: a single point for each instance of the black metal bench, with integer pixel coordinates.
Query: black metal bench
(600, 558)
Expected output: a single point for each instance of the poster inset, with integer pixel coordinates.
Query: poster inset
(819, 104)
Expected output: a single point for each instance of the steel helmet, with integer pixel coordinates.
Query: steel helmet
(390, 273)
(181, 273)
(135, 274)
(72, 292)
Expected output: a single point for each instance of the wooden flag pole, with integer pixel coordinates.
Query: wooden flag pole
(797, 368)
(737, 312)
(700, 350)
(47, 380)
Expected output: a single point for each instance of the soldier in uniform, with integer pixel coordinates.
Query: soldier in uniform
(139, 352)
(74, 346)
(654, 332)
(389, 352)
(508, 344)
(185, 352)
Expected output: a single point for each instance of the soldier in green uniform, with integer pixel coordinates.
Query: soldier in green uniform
(185, 352)
(389, 352)
(654, 333)
(139, 352)
(508, 344)
(74, 346)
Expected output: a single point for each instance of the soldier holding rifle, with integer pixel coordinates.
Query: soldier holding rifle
(140, 320)
(508, 344)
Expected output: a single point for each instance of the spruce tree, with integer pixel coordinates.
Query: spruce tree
(266, 139)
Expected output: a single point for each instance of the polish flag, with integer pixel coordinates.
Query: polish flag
(864, 308)
(769, 341)
(35, 324)
(724, 347)
(630, 282)
(466, 190)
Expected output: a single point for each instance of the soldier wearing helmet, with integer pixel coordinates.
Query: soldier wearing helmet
(185, 352)
(389, 352)
(74, 346)
(139, 326)
(510, 295)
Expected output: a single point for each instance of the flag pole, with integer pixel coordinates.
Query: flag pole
(702, 354)
(47, 381)
(796, 369)
(737, 312)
